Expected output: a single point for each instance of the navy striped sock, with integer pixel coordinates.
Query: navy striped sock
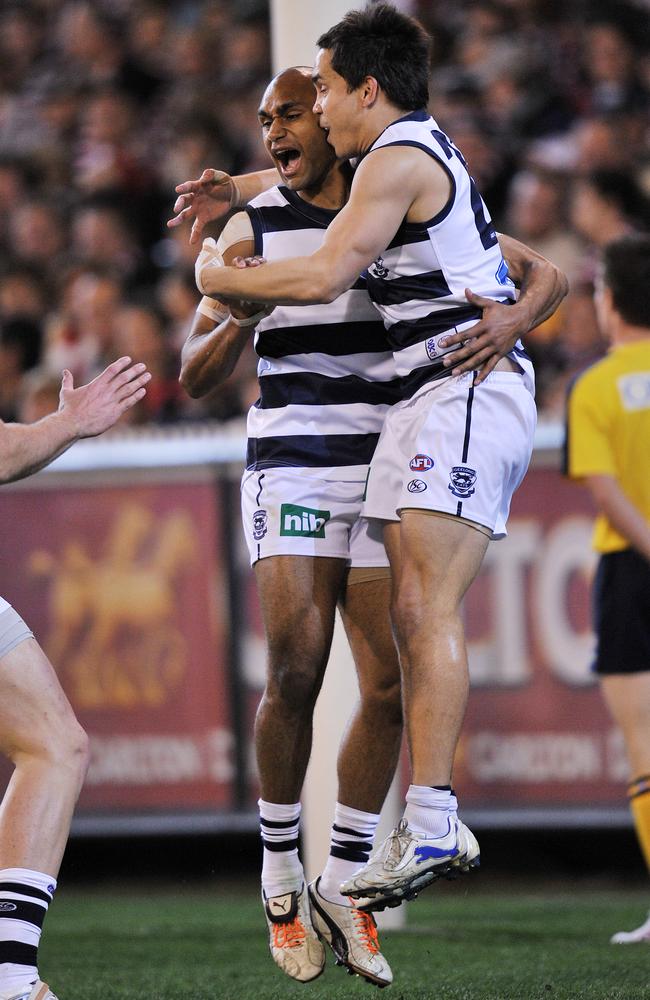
(25, 897)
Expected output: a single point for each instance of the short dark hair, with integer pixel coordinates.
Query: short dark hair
(382, 42)
(627, 275)
(621, 189)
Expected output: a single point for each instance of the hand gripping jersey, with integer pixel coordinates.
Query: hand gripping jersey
(326, 372)
(418, 283)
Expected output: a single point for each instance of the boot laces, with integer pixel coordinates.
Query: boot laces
(289, 935)
(397, 844)
(367, 930)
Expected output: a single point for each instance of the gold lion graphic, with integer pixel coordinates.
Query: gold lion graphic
(113, 634)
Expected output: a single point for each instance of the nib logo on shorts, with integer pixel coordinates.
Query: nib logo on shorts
(303, 522)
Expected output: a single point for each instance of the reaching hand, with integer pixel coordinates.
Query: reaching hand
(95, 407)
(484, 344)
(209, 198)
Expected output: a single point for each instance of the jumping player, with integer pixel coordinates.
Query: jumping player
(327, 379)
(38, 730)
(312, 385)
(454, 450)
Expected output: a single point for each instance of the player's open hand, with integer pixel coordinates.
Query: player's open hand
(95, 407)
(205, 200)
(483, 345)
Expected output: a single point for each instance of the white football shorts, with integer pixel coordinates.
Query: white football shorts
(13, 629)
(290, 512)
(455, 448)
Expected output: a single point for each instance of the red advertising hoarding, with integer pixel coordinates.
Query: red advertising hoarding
(124, 587)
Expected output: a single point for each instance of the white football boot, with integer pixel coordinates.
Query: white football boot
(408, 862)
(294, 944)
(352, 936)
(39, 991)
(640, 936)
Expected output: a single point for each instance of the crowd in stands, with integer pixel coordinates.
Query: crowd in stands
(105, 106)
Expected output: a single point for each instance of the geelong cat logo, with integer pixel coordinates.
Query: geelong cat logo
(462, 480)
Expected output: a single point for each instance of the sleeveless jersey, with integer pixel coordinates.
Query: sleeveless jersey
(418, 283)
(326, 372)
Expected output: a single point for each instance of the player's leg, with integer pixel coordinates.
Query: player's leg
(298, 597)
(367, 759)
(628, 699)
(440, 468)
(42, 738)
(622, 624)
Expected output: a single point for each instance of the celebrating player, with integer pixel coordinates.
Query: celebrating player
(608, 445)
(326, 381)
(38, 729)
(327, 378)
(453, 451)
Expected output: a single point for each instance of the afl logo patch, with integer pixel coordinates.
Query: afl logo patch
(416, 486)
(461, 481)
(260, 524)
(421, 463)
(7, 907)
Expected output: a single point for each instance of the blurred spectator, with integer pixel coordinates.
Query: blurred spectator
(537, 216)
(80, 336)
(138, 333)
(606, 205)
(20, 347)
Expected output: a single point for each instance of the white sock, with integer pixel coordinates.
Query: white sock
(281, 868)
(427, 809)
(353, 832)
(24, 900)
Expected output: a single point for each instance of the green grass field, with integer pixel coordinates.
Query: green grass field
(460, 944)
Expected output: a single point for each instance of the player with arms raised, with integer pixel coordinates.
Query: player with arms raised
(453, 452)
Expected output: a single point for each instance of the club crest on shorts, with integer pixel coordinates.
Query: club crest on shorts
(421, 463)
(416, 486)
(260, 524)
(462, 480)
(378, 269)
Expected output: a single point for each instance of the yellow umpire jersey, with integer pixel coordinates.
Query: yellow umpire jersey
(608, 431)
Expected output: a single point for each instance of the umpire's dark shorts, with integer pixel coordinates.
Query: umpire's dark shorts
(622, 613)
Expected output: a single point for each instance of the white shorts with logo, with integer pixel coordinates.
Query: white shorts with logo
(291, 512)
(455, 448)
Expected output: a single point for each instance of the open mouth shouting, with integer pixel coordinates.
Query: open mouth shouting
(288, 160)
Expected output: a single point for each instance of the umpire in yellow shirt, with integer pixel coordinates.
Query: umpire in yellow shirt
(608, 448)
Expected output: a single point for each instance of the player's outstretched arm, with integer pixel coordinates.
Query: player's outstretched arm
(384, 187)
(84, 412)
(542, 287)
(215, 195)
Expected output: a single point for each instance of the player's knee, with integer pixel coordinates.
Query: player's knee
(64, 748)
(293, 688)
(414, 610)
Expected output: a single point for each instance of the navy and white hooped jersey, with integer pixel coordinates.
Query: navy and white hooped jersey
(418, 283)
(326, 372)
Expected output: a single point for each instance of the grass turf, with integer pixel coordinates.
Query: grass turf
(459, 944)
